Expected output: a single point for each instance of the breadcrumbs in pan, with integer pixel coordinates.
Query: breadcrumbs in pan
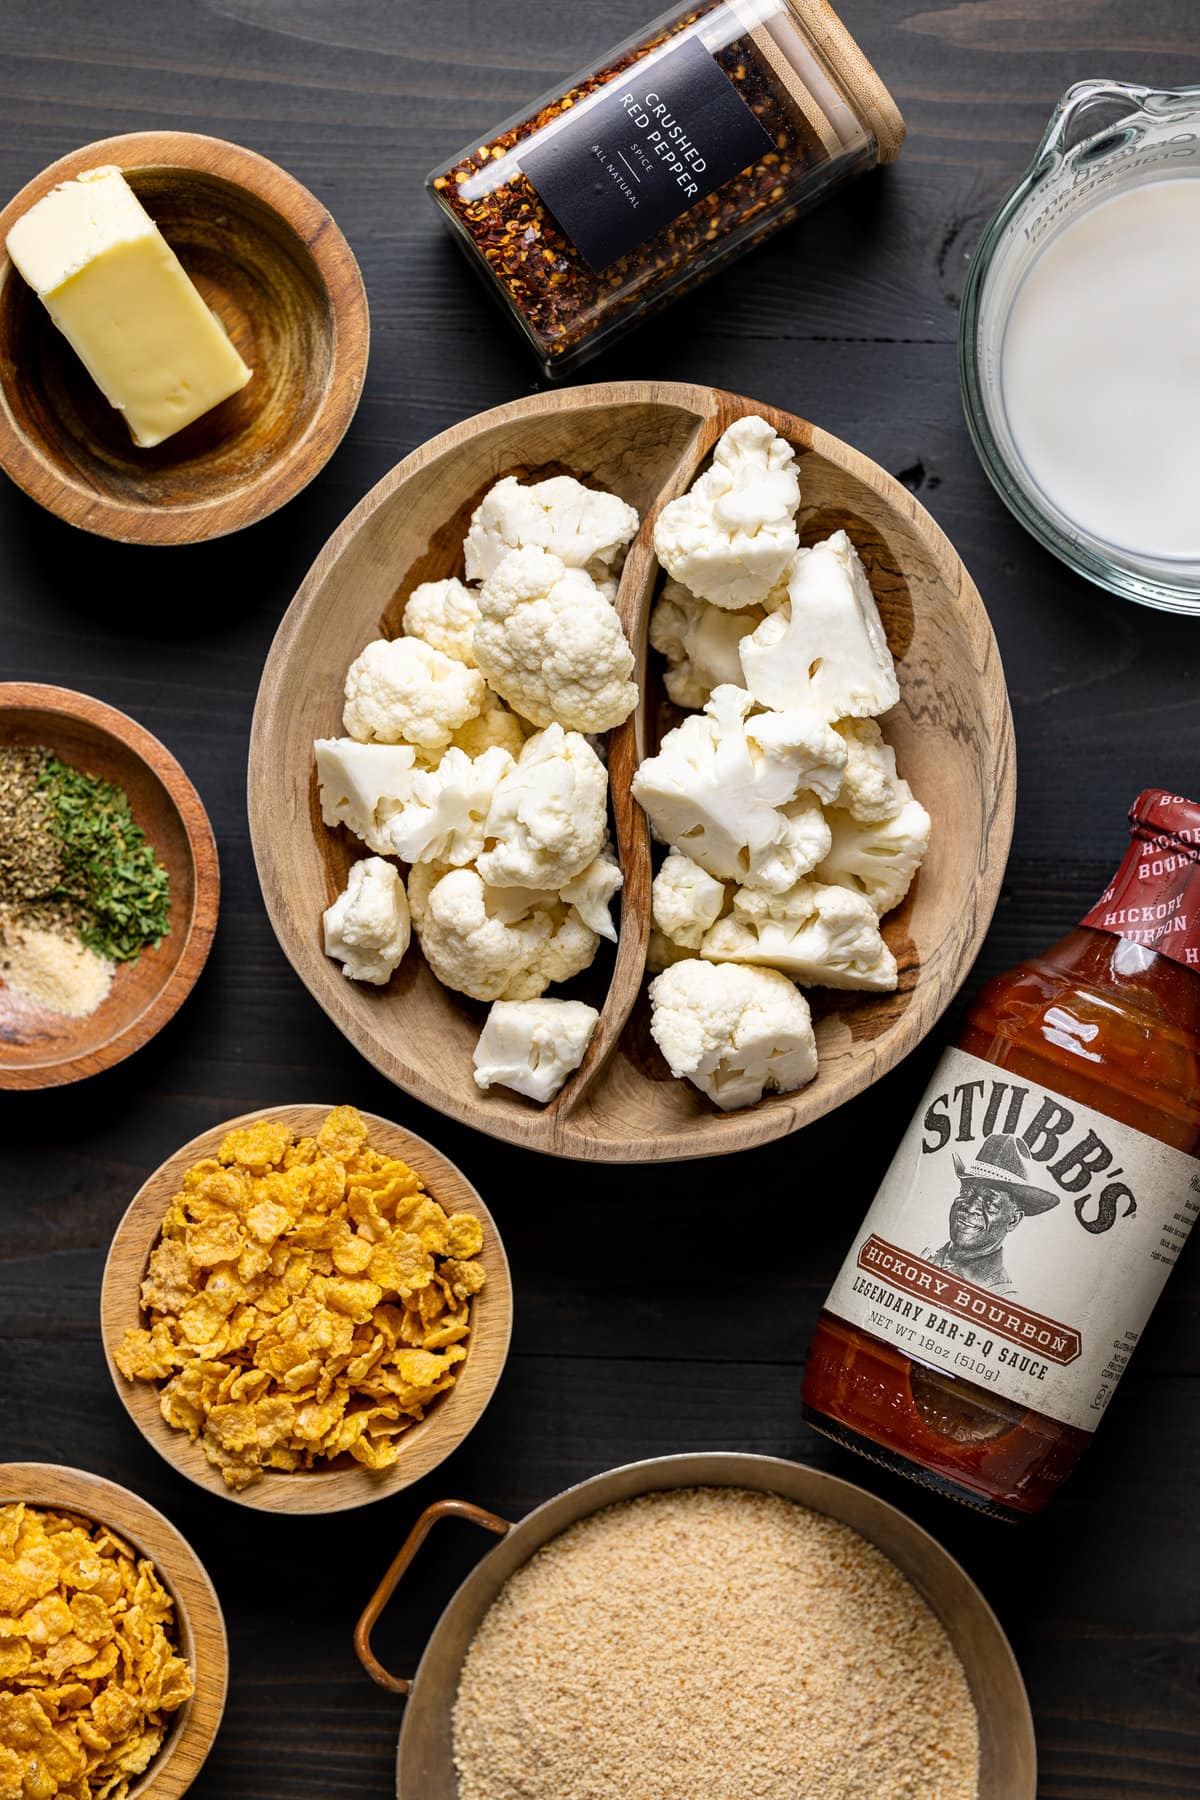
(712, 1644)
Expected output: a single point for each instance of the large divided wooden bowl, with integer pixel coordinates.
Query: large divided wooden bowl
(952, 732)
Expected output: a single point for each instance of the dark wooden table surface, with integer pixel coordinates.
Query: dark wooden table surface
(647, 1321)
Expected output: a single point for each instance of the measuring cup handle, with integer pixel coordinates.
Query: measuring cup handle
(1088, 108)
(441, 1509)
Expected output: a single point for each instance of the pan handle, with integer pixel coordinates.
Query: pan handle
(441, 1509)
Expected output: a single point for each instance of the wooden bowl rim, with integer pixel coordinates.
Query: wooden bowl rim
(281, 478)
(829, 1494)
(206, 880)
(199, 1618)
(427, 1444)
(771, 1119)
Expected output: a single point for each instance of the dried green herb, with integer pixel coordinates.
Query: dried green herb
(111, 881)
(30, 852)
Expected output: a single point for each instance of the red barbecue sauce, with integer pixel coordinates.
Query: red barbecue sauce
(1130, 969)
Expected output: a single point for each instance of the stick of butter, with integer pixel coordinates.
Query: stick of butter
(119, 294)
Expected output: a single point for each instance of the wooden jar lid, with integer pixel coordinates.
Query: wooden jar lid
(864, 87)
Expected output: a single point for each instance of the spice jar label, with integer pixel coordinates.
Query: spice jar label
(622, 164)
(1019, 1240)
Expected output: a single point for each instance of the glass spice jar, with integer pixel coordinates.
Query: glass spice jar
(684, 146)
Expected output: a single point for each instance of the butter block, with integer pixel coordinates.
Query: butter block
(122, 299)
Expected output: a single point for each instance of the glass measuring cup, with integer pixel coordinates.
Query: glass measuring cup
(1103, 137)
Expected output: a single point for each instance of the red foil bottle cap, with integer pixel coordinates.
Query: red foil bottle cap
(1156, 815)
(1154, 897)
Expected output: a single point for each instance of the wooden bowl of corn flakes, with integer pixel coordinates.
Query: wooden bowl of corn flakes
(114, 1679)
(306, 1309)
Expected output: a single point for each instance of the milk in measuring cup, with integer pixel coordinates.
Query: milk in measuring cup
(1100, 369)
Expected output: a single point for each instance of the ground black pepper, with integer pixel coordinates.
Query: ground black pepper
(31, 864)
(561, 299)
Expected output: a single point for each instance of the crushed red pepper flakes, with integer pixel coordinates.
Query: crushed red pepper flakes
(561, 299)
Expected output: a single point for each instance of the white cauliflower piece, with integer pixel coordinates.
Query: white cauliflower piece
(493, 951)
(548, 816)
(444, 614)
(700, 643)
(877, 859)
(827, 647)
(552, 646)
(367, 929)
(362, 785)
(585, 528)
(732, 1031)
(732, 535)
(821, 936)
(871, 789)
(590, 893)
(685, 900)
(731, 804)
(403, 691)
(532, 1046)
(802, 743)
(444, 818)
(496, 727)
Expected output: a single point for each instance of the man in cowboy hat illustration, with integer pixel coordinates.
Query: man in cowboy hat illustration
(994, 1195)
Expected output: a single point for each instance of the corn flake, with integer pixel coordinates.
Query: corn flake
(307, 1299)
(89, 1667)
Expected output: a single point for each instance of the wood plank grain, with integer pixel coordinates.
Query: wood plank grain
(848, 319)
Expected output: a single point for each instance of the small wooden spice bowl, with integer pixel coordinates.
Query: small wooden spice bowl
(39, 1048)
(346, 1483)
(273, 266)
(200, 1624)
(424, 1755)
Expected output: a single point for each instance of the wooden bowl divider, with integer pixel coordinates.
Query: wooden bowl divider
(347, 1484)
(952, 732)
(424, 1757)
(270, 262)
(148, 992)
(199, 1621)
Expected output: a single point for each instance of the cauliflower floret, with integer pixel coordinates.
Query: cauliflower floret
(403, 691)
(444, 818)
(547, 818)
(362, 785)
(444, 614)
(368, 928)
(493, 951)
(552, 646)
(532, 1046)
(877, 859)
(871, 788)
(496, 727)
(591, 892)
(732, 803)
(821, 936)
(733, 1031)
(587, 529)
(685, 901)
(801, 742)
(731, 536)
(700, 643)
(826, 648)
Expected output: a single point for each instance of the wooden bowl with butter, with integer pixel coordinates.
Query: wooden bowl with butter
(282, 282)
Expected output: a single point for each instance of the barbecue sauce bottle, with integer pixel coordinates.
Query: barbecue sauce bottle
(1000, 1282)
